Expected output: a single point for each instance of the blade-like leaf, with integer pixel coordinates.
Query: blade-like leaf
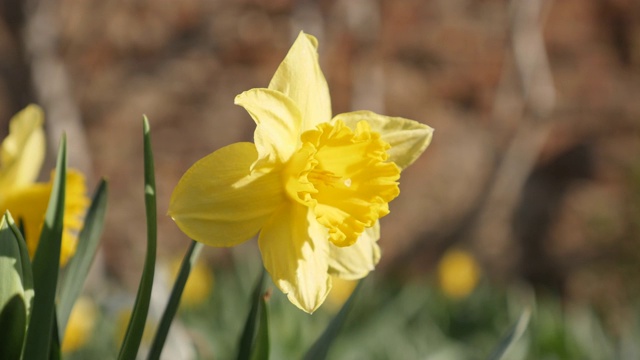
(25, 262)
(78, 268)
(46, 263)
(261, 346)
(170, 311)
(56, 351)
(15, 276)
(320, 348)
(16, 289)
(248, 334)
(514, 333)
(135, 329)
(13, 322)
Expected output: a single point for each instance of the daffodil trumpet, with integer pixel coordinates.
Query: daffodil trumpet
(314, 187)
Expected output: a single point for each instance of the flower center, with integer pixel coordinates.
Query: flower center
(343, 176)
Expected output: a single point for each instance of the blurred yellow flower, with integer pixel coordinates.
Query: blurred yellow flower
(341, 289)
(21, 156)
(313, 186)
(122, 322)
(80, 325)
(458, 273)
(199, 284)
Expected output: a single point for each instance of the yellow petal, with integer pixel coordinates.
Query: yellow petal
(22, 151)
(277, 123)
(356, 261)
(75, 207)
(295, 252)
(80, 326)
(219, 203)
(408, 138)
(28, 205)
(299, 77)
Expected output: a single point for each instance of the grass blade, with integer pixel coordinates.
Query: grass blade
(135, 329)
(320, 348)
(56, 351)
(78, 268)
(261, 346)
(248, 334)
(46, 264)
(170, 311)
(514, 333)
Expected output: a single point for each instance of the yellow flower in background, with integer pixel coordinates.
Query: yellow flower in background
(80, 326)
(312, 185)
(458, 273)
(199, 284)
(341, 289)
(122, 323)
(21, 156)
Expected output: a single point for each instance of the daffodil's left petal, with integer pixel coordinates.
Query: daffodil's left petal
(408, 138)
(219, 202)
(22, 151)
(277, 120)
(356, 261)
(299, 77)
(295, 251)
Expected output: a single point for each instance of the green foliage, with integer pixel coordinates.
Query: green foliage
(78, 268)
(13, 322)
(133, 336)
(248, 338)
(174, 300)
(46, 263)
(320, 349)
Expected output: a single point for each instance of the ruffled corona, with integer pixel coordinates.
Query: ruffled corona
(344, 177)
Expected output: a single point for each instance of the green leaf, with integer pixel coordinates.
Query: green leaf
(78, 268)
(13, 322)
(514, 333)
(170, 311)
(46, 264)
(261, 346)
(248, 334)
(16, 289)
(320, 348)
(16, 276)
(55, 351)
(135, 329)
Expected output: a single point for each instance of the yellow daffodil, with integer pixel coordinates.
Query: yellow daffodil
(21, 156)
(341, 289)
(82, 321)
(458, 273)
(199, 284)
(312, 185)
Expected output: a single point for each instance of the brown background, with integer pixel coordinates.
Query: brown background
(534, 164)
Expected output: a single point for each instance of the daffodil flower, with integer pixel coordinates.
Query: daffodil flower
(21, 156)
(313, 186)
